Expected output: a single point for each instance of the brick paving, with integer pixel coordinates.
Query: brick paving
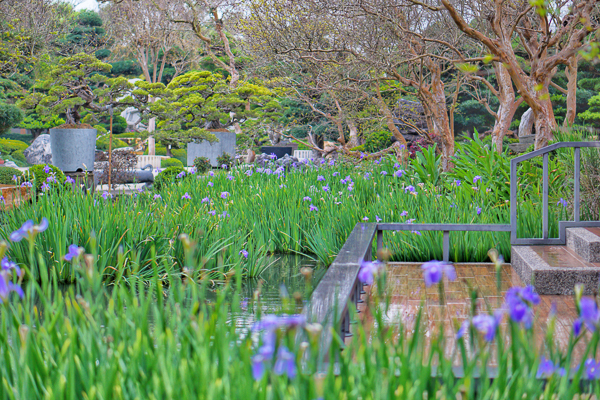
(407, 292)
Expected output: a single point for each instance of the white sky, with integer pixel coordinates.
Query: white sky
(85, 4)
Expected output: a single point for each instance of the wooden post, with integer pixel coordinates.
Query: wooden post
(110, 149)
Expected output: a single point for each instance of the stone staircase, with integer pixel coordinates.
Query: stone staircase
(557, 269)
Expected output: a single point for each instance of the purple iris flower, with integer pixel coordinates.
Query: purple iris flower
(285, 363)
(416, 232)
(409, 188)
(6, 286)
(27, 184)
(589, 313)
(212, 212)
(478, 210)
(249, 172)
(225, 214)
(193, 170)
(205, 200)
(258, 367)
(307, 198)
(343, 181)
(367, 175)
(51, 179)
(230, 177)
(398, 173)
(45, 187)
(28, 230)
(224, 195)
(320, 178)
(368, 271)
(244, 253)
(457, 182)
(180, 175)
(268, 171)
(273, 156)
(562, 202)
(366, 219)
(47, 169)
(519, 301)
(211, 173)
(487, 325)
(74, 252)
(326, 188)
(9, 266)
(377, 219)
(475, 179)
(106, 195)
(331, 163)
(547, 368)
(336, 173)
(404, 213)
(350, 187)
(384, 173)
(14, 178)
(592, 369)
(157, 196)
(313, 208)
(577, 326)
(186, 196)
(433, 271)
(224, 166)
(210, 184)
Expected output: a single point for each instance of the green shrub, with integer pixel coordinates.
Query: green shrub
(18, 155)
(225, 159)
(166, 177)
(10, 115)
(202, 164)
(8, 146)
(101, 130)
(6, 175)
(378, 140)
(102, 143)
(170, 162)
(40, 176)
(358, 148)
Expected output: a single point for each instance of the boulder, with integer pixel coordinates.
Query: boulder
(40, 151)
(10, 164)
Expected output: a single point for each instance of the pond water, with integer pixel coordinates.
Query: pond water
(280, 281)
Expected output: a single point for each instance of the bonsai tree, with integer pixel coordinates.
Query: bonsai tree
(200, 101)
(75, 84)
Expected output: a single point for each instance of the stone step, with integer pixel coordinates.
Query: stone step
(585, 242)
(554, 269)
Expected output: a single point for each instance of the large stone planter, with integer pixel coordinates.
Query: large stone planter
(73, 149)
(280, 152)
(226, 144)
(14, 196)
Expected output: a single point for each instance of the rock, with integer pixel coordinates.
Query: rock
(10, 164)
(526, 125)
(40, 151)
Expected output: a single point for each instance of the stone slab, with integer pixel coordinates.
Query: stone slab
(554, 269)
(585, 242)
(226, 144)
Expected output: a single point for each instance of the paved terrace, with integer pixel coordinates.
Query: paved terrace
(407, 290)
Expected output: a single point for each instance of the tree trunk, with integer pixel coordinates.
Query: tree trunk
(389, 117)
(507, 108)
(545, 123)
(354, 140)
(169, 154)
(571, 73)
(440, 120)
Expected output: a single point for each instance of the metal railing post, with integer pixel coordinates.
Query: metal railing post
(446, 246)
(379, 241)
(545, 199)
(513, 201)
(576, 183)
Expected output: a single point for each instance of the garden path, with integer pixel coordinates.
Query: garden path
(407, 289)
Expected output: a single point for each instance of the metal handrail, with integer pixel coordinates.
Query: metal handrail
(545, 190)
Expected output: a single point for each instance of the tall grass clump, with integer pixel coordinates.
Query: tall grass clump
(148, 340)
(309, 208)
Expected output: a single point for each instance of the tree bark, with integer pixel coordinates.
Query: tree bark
(389, 117)
(507, 108)
(354, 140)
(571, 73)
